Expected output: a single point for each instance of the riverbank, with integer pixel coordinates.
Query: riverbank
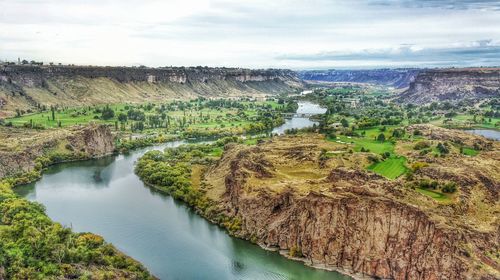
(271, 263)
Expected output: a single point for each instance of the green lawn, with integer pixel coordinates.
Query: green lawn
(212, 118)
(391, 168)
(435, 195)
(463, 118)
(469, 151)
(367, 143)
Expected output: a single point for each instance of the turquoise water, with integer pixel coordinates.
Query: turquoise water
(104, 196)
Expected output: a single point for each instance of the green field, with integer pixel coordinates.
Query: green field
(368, 141)
(391, 168)
(469, 151)
(223, 118)
(435, 195)
(463, 119)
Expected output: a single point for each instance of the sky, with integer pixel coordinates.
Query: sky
(295, 34)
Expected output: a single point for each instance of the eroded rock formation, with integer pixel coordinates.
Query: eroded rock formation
(453, 85)
(340, 217)
(22, 147)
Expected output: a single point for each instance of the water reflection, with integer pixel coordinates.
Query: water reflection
(301, 119)
(105, 197)
(488, 133)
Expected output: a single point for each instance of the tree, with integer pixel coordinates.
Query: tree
(122, 117)
(344, 123)
(107, 113)
(53, 110)
(442, 148)
(381, 137)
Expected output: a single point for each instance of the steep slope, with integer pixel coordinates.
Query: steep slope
(332, 214)
(26, 87)
(453, 85)
(20, 148)
(398, 78)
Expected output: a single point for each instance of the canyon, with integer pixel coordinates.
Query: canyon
(26, 87)
(20, 148)
(337, 216)
(397, 78)
(453, 85)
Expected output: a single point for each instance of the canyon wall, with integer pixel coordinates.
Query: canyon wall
(22, 147)
(26, 87)
(453, 85)
(353, 221)
(398, 78)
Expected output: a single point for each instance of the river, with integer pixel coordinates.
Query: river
(487, 133)
(105, 197)
(298, 121)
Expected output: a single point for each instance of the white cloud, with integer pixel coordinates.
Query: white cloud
(243, 33)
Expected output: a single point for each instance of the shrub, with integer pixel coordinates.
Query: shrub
(422, 145)
(449, 187)
(418, 165)
(381, 137)
(442, 148)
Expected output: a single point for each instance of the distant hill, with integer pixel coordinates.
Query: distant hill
(398, 78)
(26, 87)
(452, 85)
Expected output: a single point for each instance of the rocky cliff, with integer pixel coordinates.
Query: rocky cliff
(25, 87)
(398, 78)
(453, 85)
(21, 147)
(331, 214)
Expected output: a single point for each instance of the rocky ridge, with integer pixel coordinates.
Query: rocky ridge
(453, 85)
(336, 216)
(26, 87)
(22, 147)
(398, 78)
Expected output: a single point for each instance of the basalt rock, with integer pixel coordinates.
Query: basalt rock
(26, 88)
(355, 221)
(453, 85)
(81, 141)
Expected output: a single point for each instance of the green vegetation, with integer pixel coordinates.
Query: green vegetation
(391, 168)
(195, 118)
(171, 171)
(469, 151)
(440, 197)
(34, 247)
(440, 191)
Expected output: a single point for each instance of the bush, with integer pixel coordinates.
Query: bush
(442, 148)
(449, 187)
(381, 137)
(418, 165)
(422, 145)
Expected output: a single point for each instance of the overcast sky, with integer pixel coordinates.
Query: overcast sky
(295, 34)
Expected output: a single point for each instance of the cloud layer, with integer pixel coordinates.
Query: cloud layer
(292, 34)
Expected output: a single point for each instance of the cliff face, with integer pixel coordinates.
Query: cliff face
(22, 147)
(453, 85)
(398, 78)
(340, 217)
(25, 87)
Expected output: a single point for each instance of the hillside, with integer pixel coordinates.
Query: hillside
(453, 85)
(28, 87)
(398, 78)
(333, 214)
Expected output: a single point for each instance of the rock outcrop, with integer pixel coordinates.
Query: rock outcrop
(27, 87)
(26, 146)
(338, 217)
(398, 78)
(453, 85)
